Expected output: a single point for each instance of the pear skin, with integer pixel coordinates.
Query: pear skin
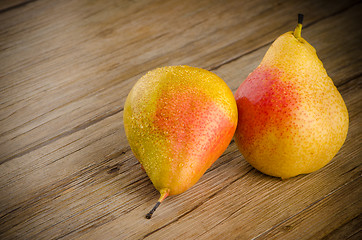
(292, 119)
(178, 121)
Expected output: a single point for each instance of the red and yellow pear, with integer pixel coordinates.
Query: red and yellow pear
(178, 121)
(292, 119)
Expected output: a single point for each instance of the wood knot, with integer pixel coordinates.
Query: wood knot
(114, 169)
(287, 228)
(106, 33)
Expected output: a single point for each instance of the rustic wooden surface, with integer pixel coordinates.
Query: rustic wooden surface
(66, 168)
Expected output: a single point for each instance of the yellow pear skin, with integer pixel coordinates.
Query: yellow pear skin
(292, 119)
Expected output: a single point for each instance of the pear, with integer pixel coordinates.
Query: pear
(178, 121)
(292, 119)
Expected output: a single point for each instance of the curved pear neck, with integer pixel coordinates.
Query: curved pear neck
(298, 30)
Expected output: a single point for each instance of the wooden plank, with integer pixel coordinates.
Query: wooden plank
(79, 67)
(346, 199)
(351, 230)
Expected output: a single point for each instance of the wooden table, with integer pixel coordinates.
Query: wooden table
(67, 170)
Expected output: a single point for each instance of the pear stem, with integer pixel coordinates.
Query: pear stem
(298, 30)
(164, 193)
(149, 215)
(300, 18)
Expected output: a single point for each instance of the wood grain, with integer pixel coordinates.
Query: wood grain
(66, 168)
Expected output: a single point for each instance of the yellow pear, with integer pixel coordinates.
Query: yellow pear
(178, 121)
(292, 119)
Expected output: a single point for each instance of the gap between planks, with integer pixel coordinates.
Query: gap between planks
(19, 5)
